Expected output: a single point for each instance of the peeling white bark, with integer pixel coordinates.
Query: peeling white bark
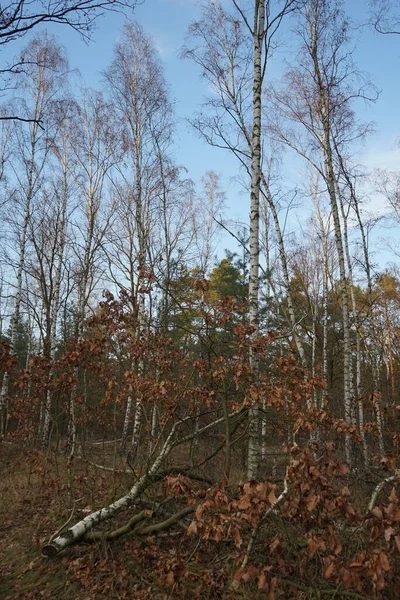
(253, 456)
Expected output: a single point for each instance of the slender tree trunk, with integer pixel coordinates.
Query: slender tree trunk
(355, 206)
(285, 271)
(55, 309)
(82, 303)
(228, 454)
(139, 400)
(361, 406)
(314, 351)
(20, 270)
(258, 37)
(378, 414)
(127, 420)
(325, 319)
(348, 405)
(267, 294)
(357, 388)
(323, 232)
(330, 178)
(390, 350)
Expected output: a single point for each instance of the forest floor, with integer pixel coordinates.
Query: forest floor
(39, 495)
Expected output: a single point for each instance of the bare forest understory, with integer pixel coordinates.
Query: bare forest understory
(163, 557)
(155, 555)
(173, 513)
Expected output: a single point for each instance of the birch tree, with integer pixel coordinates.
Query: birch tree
(19, 17)
(232, 49)
(320, 111)
(39, 83)
(323, 228)
(49, 240)
(138, 90)
(93, 153)
(206, 212)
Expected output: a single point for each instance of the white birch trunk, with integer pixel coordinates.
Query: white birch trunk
(82, 303)
(20, 270)
(127, 419)
(314, 352)
(325, 322)
(326, 146)
(78, 531)
(378, 415)
(55, 309)
(348, 405)
(154, 426)
(137, 422)
(258, 38)
(323, 232)
(357, 388)
(355, 206)
(361, 406)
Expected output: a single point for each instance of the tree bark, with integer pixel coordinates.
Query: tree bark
(330, 178)
(258, 37)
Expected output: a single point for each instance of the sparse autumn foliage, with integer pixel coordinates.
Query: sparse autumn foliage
(305, 523)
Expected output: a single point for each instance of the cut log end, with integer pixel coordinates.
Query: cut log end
(49, 550)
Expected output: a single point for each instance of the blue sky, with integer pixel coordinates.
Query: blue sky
(167, 21)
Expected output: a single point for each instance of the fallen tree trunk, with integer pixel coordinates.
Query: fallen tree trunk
(163, 525)
(79, 531)
(139, 530)
(93, 536)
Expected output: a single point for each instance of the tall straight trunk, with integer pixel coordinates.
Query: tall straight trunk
(355, 206)
(228, 453)
(324, 229)
(20, 270)
(374, 366)
(360, 405)
(153, 427)
(330, 179)
(325, 319)
(127, 420)
(129, 401)
(348, 404)
(378, 413)
(285, 272)
(253, 456)
(390, 350)
(357, 325)
(137, 421)
(55, 308)
(140, 304)
(83, 293)
(355, 393)
(267, 295)
(314, 350)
